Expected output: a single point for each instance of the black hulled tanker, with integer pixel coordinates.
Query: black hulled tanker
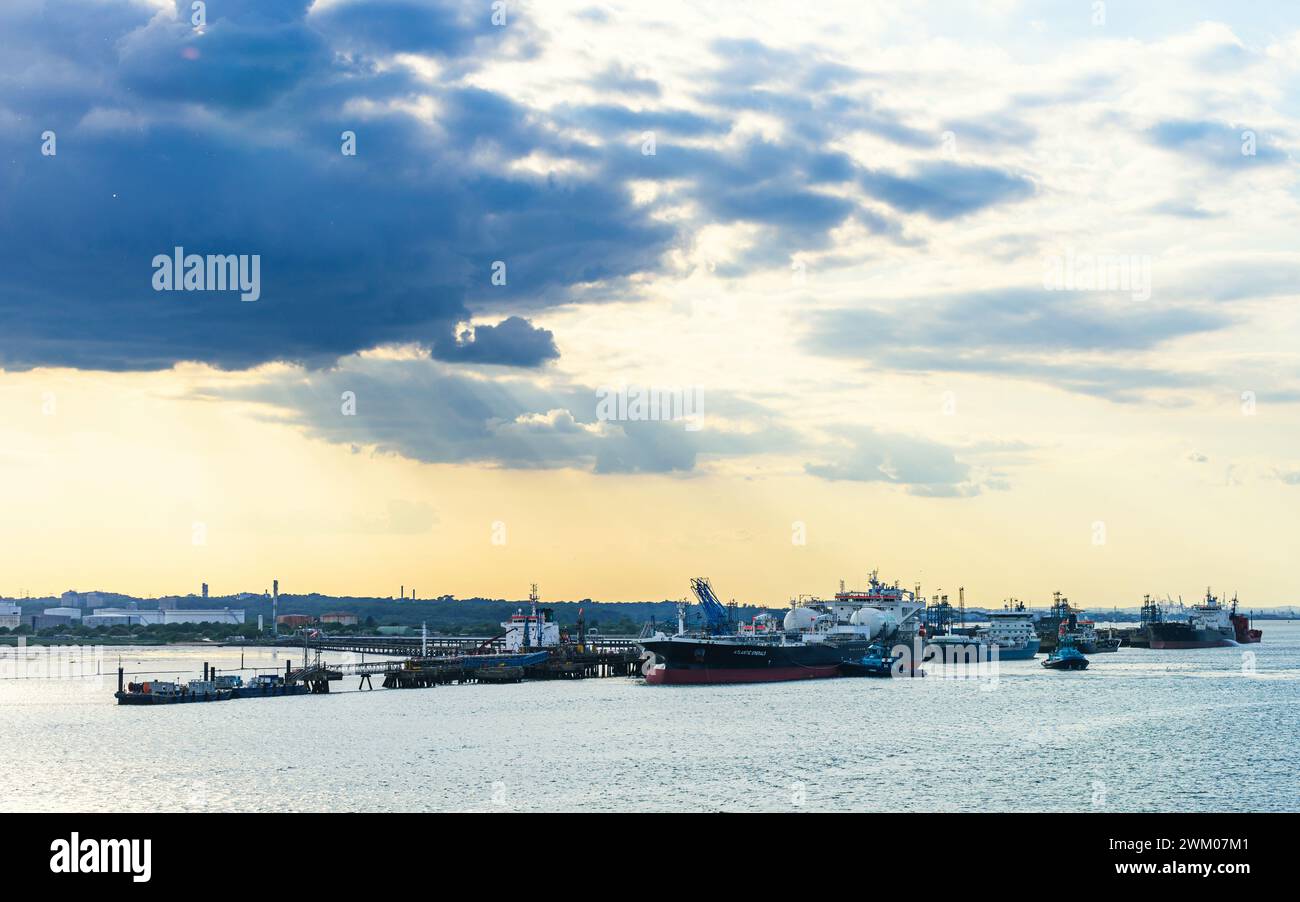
(811, 643)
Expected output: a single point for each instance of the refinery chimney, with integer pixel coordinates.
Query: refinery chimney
(275, 607)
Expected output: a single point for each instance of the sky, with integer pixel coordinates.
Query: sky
(999, 295)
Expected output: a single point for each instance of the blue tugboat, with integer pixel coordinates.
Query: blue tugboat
(877, 662)
(1065, 656)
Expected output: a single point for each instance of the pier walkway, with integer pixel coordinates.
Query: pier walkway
(409, 646)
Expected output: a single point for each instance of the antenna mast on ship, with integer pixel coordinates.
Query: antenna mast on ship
(532, 597)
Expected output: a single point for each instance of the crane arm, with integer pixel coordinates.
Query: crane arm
(715, 614)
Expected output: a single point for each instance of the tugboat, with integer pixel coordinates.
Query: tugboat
(1065, 656)
(877, 662)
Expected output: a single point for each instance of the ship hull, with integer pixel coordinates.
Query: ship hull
(1066, 664)
(1179, 636)
(1025, 652)
(145, 698)
(1192, 643)
(666, 676)
(271, 691)
(695, 662)
(1245, 635)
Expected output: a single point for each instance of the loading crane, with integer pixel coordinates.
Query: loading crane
(715, 613)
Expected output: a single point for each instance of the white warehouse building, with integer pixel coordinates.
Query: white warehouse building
(121, 616)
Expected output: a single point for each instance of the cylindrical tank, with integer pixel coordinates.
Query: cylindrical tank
(800, 619)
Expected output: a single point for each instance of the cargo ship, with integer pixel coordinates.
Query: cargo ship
(1207, 625)
(1083, 633)
(1012, 631)
(815, 638)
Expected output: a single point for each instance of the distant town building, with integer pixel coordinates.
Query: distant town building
(294, 621)
(11, 615)
(205, 590)
(74, 613)
(74, 599)
(340, 618)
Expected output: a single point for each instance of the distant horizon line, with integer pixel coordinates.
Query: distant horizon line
(252, 596)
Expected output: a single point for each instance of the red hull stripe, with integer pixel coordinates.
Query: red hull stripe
(666, 676)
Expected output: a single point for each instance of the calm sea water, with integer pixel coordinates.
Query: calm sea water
(1200, 730)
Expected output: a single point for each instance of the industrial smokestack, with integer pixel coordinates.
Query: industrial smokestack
(275, 607)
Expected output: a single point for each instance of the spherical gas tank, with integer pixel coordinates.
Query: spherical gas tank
(873, 622)
(800, 619)
(889, 624)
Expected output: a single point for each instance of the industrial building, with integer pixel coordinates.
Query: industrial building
(46, 621)
(340, 618)
(128, 617)
(125, 618)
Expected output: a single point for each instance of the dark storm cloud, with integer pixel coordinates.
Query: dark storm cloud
(512, 342)
(229, 143)
(230, 65)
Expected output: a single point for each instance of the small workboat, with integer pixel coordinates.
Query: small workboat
(1065, 656)
(876, 662)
